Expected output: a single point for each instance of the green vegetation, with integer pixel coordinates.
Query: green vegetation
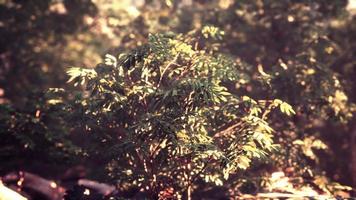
(192, 99)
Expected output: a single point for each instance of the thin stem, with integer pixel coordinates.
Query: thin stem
(166, 68)
(189, 189)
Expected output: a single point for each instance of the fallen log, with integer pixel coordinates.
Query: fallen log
(47, 188)
(101, 188)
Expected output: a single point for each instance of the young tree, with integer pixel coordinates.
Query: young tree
(176, 121)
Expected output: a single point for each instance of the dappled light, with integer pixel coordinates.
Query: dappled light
(177, 99)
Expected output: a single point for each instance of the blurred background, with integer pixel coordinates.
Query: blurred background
(41, 39)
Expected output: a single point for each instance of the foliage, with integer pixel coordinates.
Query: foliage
(177, 121)
(34, 38)
(180, 110)
(43, 130)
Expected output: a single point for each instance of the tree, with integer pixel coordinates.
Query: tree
(176, 120)
(33, 38)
